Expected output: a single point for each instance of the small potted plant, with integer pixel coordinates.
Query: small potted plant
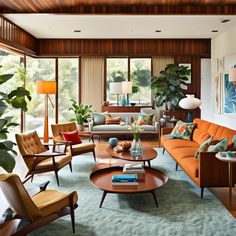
(82, 113)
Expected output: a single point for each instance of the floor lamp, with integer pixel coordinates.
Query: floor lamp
(189, 103)
(46, 87)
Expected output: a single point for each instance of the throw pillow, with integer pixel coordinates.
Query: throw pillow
(99, 118)
(220, 146)
(73, 137)
(203, 147)
(145, 119)
(234, 142)
(182, 130)
(113, 120)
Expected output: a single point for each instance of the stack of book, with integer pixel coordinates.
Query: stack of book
(137, 169)
(125, 179)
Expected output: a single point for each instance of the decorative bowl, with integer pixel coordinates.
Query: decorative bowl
(132, 103)
(126, 145)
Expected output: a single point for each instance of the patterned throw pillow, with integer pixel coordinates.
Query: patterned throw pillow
(220, 146)
(113, 120)
(234, 142)
(145, 119)
(182, 130)
(203, 147)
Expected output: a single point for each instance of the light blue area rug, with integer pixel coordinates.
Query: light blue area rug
(181, 210)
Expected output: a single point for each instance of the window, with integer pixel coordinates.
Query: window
(117, 71)
(10, 63)
(39, 69)
(139, 73)
(67, 87)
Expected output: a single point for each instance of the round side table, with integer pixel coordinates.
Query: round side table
(230, 161)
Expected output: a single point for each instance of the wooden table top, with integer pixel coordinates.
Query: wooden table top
(148, 154)
(102, 179)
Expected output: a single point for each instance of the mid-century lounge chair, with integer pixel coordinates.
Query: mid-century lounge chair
(38, 209)
(38, 158)
(75, 149)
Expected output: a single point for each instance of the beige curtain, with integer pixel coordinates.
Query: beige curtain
(92, 81)
(159, 63)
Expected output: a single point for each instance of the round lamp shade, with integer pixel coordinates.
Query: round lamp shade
(46, 87)
(126, 87)
(190, 102)
(232, 74)
(115, 88)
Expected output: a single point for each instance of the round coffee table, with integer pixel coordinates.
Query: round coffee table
(148, 154)
(102, 179)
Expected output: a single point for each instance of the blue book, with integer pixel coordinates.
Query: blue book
(125, 177)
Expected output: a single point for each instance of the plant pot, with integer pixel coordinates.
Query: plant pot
(80, 127)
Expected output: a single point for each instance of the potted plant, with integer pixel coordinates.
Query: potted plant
(82, 113)
(16, 99)
(167, 86)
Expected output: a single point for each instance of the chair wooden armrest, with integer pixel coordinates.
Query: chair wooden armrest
(63, 142)
(37, 189)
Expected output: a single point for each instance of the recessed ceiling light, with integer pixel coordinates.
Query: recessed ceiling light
(77, 31)
(214, 31)
(224, 20)
(158, 31)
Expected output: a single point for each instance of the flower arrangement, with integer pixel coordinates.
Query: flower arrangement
(136, 129)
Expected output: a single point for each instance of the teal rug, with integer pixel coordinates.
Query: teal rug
(181, 210)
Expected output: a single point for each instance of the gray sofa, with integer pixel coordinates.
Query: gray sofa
(102, 128)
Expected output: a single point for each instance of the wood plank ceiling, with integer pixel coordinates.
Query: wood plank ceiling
(119, 6)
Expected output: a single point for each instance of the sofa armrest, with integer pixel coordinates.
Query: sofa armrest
(166, 130)
(212, 171)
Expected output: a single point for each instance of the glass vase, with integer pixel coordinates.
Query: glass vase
(136, 149)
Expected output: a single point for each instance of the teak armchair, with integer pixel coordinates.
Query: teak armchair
(38, 209)
(75, 149)
(39, 158)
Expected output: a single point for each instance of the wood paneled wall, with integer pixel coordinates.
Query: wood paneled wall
(124, 47)
(14, 36)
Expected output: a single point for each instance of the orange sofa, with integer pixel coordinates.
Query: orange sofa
(206, 170)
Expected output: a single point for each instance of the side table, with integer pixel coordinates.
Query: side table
(230, 161)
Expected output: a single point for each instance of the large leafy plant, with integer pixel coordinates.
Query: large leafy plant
(16, 99)
(167, 86)
(82, 112)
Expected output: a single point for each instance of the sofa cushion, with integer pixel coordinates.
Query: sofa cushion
(120, 128)
(113, 120)
(190, 166)
(182, 130)
(220, 146)
(99, 118)
(184, 152)
(200, 136)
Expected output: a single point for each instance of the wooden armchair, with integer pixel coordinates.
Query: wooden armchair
(38, 209)
(39, 158)
(75, 149)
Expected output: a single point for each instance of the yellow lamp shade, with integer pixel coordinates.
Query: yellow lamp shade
(46, 87)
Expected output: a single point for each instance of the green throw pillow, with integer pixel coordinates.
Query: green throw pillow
(234, 141)
(182, 130)
(99, 118)
(220, 146)
(145, 119)
(203, 147)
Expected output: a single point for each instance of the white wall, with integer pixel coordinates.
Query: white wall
(206, 89)
(223, 48)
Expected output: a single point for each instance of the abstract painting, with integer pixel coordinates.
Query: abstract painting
(229, 96)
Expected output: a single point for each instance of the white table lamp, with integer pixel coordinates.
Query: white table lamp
(115, 88)
(189, 103)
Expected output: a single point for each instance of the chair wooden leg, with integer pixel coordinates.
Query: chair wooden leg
(94, 156)
(56, 174)
(32, 177)
(176, 166)
(70, 165)
(72, 215)
(163, 151)
(202, 192)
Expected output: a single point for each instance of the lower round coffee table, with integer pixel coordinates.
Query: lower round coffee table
(102, 179)
(148, 154)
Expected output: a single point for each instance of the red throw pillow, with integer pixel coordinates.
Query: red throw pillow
(73, 136)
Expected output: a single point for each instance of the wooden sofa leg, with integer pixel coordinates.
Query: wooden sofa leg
(94, 156)
(163, 151)
(202, 191)
(72, 214)
(176, 166)
(70, 165)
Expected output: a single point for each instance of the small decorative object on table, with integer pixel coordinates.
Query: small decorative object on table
(113, 142)
(126, 145)
(136, 149)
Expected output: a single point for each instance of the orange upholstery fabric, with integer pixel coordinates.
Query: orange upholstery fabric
(200, 136)
(184, 152)
(65, 127)
(190, 166)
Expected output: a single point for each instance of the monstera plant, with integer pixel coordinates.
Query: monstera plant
(167, 86)
(15, 98)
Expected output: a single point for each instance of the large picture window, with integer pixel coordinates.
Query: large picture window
(136, 70)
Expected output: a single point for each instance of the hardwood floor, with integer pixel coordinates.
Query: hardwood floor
(220, 193)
